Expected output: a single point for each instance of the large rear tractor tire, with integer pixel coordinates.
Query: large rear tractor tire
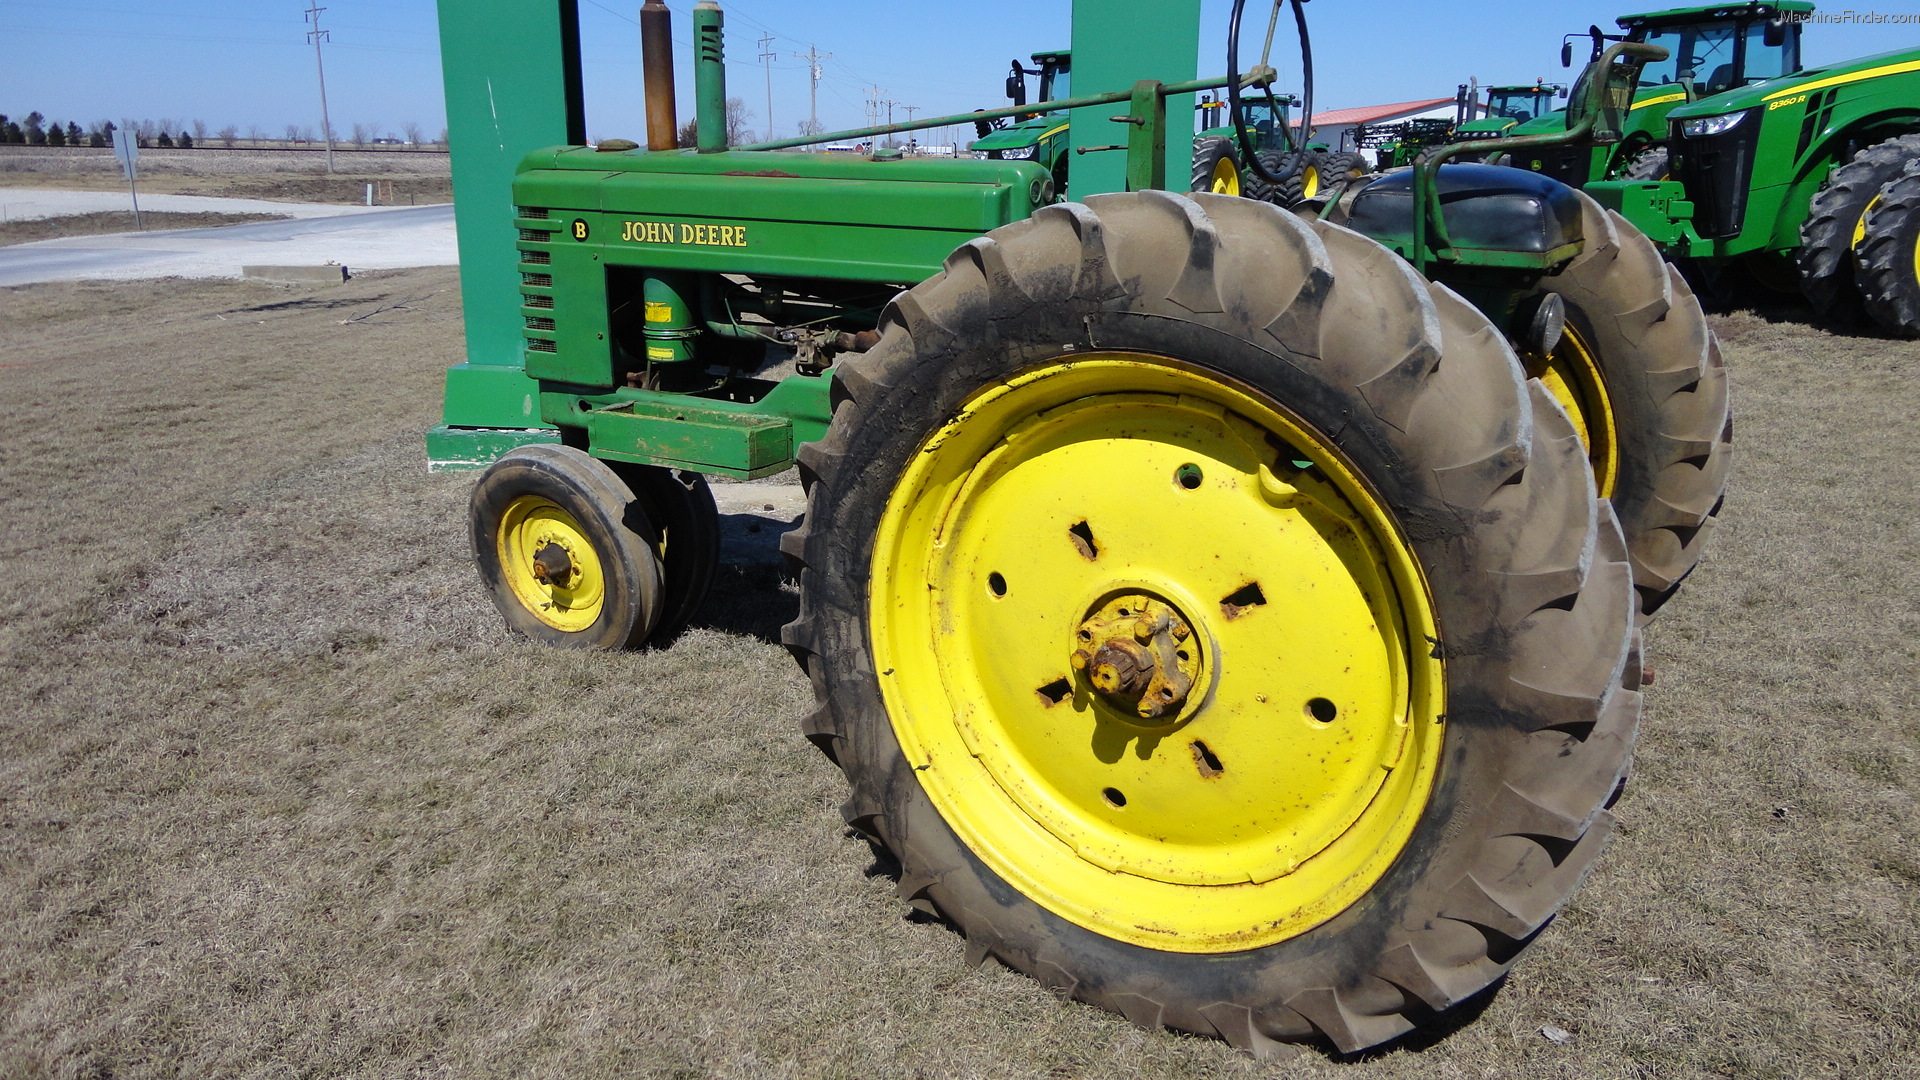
(565, 550)
(1216, 167)
(1836, 227)
(1640, 373)
(1889, 257)
(1214, 622)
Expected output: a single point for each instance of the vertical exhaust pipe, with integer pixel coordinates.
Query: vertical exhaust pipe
(709, 77)
(656, 54)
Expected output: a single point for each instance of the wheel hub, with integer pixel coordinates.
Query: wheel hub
(1138, 653)
(552, 565)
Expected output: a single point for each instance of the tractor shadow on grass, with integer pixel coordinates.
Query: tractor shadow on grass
(751, 593)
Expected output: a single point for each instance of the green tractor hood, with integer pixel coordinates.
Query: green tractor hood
(1792, 89)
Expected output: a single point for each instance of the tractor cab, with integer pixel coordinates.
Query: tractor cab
(1510, 106)
(1710, 50)
(1037, 136)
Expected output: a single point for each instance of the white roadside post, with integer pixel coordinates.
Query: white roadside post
(127, 149)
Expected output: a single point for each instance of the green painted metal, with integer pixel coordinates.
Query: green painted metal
(450, 447)
(1658, 208)
(709, 77)
(1147, 138)
(491, 395)
(512, 75)
(1116, 43)
(743, 440)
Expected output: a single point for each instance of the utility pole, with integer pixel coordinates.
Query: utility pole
(766, 57)
(317, 35)
(911, 109)
(813, 56)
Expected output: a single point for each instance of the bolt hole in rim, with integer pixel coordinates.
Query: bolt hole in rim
(1311, 815)
(996, 584)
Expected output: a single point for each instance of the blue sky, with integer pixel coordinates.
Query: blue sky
(246, 62)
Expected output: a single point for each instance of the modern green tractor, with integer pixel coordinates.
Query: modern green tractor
(1207, 609)
(1507, 107)
(1711, 49)
(1771, 178)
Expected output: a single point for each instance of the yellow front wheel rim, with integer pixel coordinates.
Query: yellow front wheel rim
(550, 565)
(1226, 177)
(1151, 505)
(1572, 375)
(1309, 182)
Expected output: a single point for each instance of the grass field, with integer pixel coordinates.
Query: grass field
(280, 798)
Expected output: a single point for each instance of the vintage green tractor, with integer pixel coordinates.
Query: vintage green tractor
(1206, 608)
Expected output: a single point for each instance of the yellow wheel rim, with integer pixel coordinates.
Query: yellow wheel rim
(550, 565)
(1120, 502)
(1309, 182)
(1572, 376)
(1860, 224)
(1226, 178)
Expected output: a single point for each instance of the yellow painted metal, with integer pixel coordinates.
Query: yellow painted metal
(1226, 178)
(1860, 225)
(1309, 182)
(1572, 376)
(1661, 100)
(1291, 779)
(1842, 80)
(529, 525)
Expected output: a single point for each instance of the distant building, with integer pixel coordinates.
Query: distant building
(1335, 126)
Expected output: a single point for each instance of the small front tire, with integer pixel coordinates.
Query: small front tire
(565, 550)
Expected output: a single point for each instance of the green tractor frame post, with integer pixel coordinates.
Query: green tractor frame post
(1044, 138)
(1765, 178)
(1227, 616)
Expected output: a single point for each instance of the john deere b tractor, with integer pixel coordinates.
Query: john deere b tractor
(1227, 617)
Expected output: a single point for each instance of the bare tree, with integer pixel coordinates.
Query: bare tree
(199, 131)
(255, 133)
(362, 132)
(293, 132)
(738, 130)
(412, 133)
(810, 126)
(228, 135)
(446, 137)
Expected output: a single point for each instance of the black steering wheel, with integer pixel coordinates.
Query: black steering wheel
(1235, 112)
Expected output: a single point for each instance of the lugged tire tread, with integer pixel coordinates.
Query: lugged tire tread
(1378, 328)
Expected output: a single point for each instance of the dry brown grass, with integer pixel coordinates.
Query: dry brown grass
(278, 796)
(117, 221)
